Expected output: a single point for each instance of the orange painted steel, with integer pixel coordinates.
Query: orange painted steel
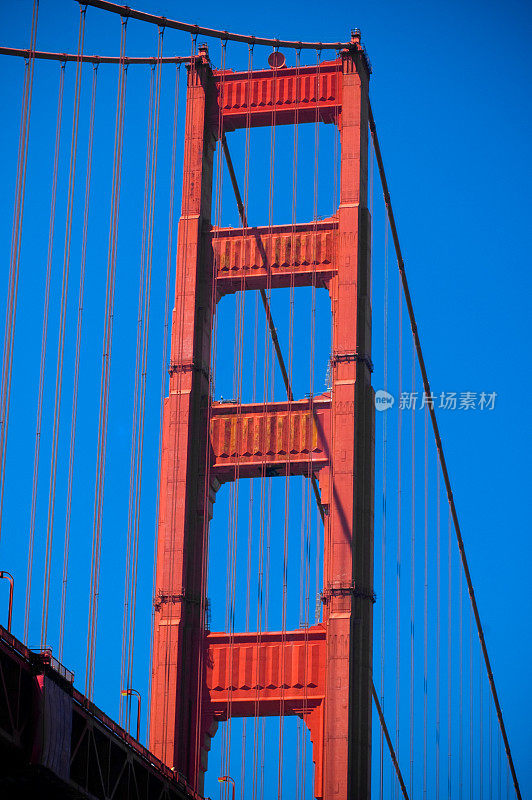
(239, 665)
(276, 438)
(280, 672)
(291, 89)
(322, 673)
(277, 256)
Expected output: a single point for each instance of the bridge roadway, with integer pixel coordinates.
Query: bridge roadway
(55, 743)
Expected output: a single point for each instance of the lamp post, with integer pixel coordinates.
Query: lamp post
(130, 692)
(225, 779)
(9, 577)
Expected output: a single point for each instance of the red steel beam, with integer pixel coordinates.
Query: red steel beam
(305, 94)
(274, 438)
(277, 257)
(270, 674)
(265, 672)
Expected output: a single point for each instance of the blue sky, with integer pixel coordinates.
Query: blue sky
(451, 98)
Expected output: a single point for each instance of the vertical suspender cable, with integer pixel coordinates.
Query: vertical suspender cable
(311, 474)
(425, 602)
(315, 490)
(144, 359)
(384, 470)
(489, 754)
(106, 367)
(225, 753)
(399, 509)
(76, 364)
(499, 766)
(62, 330)
(44, 340)
(140, 371)
(269, 394)
(14, 263)
(480, 735)
(287, 470)
(124, 683)
(235, 487)
(250, 514)
(268, 387)
(471, 708)
(461, 693)
(177, 359)
(449, 661)
(412, 568)
(164, 356)
(441, 455)
(438, 608)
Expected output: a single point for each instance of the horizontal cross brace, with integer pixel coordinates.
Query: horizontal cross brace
(252, 440)
(281, 96)
(266, 673)
(275, 257)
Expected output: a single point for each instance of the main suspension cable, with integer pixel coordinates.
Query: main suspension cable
(197, 30)
(93, 59)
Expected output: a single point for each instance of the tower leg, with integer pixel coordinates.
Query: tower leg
(176, 734)
(348, 578)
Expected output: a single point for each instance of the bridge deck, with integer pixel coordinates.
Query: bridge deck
(54, 741)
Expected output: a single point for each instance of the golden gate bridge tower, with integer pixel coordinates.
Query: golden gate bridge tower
(54, 740)
(324, 673)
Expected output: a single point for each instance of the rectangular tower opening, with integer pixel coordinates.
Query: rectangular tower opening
(269, 569)
(270, 757)
(246, 367)
(286, 174)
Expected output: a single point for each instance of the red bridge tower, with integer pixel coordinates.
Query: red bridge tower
(322, 673)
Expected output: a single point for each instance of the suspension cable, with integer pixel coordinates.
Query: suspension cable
(105, 373)
(389, 741)
(196, 30)
(130, 547)
(164, 358)
(83, 262)
(399, 522)
(144, 365)
(62, 333)
(439, 447)
(247, 159)
(44, 340)
(16, 240)
(170, 635)
(93, 59)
